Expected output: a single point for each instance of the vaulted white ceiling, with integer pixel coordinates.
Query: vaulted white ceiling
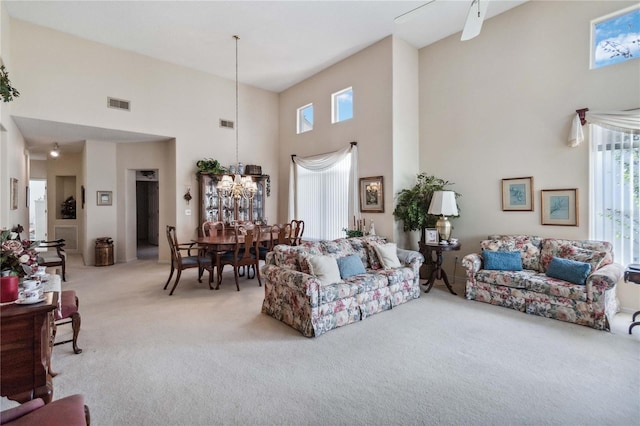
(281, 42)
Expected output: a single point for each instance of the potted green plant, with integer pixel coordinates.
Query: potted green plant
(7, 91)
(211, 166)
(412, 204)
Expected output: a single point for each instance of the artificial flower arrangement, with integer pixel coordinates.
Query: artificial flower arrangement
(17, 257)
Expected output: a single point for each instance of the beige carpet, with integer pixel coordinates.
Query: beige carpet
(205, 357)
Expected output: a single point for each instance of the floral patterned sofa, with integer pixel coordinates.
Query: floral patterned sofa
(532, 291)
(302, 301)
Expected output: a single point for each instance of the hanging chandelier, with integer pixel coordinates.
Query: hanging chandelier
(237, 186)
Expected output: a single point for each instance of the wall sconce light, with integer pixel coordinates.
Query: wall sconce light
(55, 152)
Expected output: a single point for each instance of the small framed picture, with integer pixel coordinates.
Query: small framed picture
(559, 207)
(372, 194)
(517, 194)
(431, 236)
(104, 198)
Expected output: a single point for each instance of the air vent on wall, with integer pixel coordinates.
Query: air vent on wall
(228, 124)
(119, 104)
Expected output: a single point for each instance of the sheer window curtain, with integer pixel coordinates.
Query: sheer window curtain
(615, 181)
(323, 191)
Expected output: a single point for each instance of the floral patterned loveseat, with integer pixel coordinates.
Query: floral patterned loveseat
(532, 291)
(303, 302)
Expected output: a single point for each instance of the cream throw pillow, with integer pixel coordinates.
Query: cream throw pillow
(325, 269)
(388, 255)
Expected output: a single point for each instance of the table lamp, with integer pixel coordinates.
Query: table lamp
(443, 204)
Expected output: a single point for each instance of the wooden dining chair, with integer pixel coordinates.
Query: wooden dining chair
(210, 228)
(282, 234)
(247, 240)
(51, 254)
(186, 256)
(297, 229)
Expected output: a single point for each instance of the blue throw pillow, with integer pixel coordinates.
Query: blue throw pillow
(502, 260)
(350, 266)
(569, 270)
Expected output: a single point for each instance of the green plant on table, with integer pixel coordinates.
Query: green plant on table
(412, 204)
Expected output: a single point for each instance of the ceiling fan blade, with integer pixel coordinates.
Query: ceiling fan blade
(475, 17)
(407, 16)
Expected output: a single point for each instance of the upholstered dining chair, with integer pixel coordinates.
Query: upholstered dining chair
(244, 254)
(68, 411)
(68, 314)
(52, 254)
(297, 229)
(180, 261)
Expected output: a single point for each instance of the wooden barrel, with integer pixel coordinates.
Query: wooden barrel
(104, 251)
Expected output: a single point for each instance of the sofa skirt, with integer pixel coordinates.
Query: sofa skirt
(587, 313)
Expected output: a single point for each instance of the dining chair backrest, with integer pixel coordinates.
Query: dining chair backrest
(247, 241)
(297, 229)
(173, 243)
(212, 228)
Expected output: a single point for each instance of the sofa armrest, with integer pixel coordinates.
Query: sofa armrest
(606, 277)
(472, 263)
(304, 283)
(409, 257)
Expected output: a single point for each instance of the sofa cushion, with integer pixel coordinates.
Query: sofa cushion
(338, 248)
(516, 279)
(542, 284)
(552, 247)
(388, 255)
(569, 270)
(350, 265)
(502, 260)
(325, 268)
(528, 246)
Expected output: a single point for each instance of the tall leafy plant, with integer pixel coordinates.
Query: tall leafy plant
(412, 204)
(7, 91)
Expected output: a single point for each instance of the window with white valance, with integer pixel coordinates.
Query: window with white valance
(323, 192)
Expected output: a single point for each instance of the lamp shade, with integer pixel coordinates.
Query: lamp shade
(443, 203)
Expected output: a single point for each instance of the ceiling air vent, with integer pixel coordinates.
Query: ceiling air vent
(119, 104)
(228, 124)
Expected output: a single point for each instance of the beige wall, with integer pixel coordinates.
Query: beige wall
(369, 72)
(499, 106)
(406, 119)
(167, 100)
(14, 160)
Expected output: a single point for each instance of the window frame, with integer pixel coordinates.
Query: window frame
(300, 118)
(335, 108)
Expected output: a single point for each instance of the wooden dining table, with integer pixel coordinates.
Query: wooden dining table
(218, 243)
(227, 241)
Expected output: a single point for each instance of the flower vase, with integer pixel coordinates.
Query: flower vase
(8, 288)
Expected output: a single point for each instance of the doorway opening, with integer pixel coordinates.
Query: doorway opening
(38, 209)
(147, 213)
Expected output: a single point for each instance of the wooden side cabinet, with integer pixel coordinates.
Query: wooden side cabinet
(25, 354)
(212, 207)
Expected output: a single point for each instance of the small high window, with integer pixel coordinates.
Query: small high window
(342, 105)
(305, 118)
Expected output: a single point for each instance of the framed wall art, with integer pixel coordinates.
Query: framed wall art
(559, 206)
(104, 198)
(431, 236)
(517, 194)
(372, 194)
